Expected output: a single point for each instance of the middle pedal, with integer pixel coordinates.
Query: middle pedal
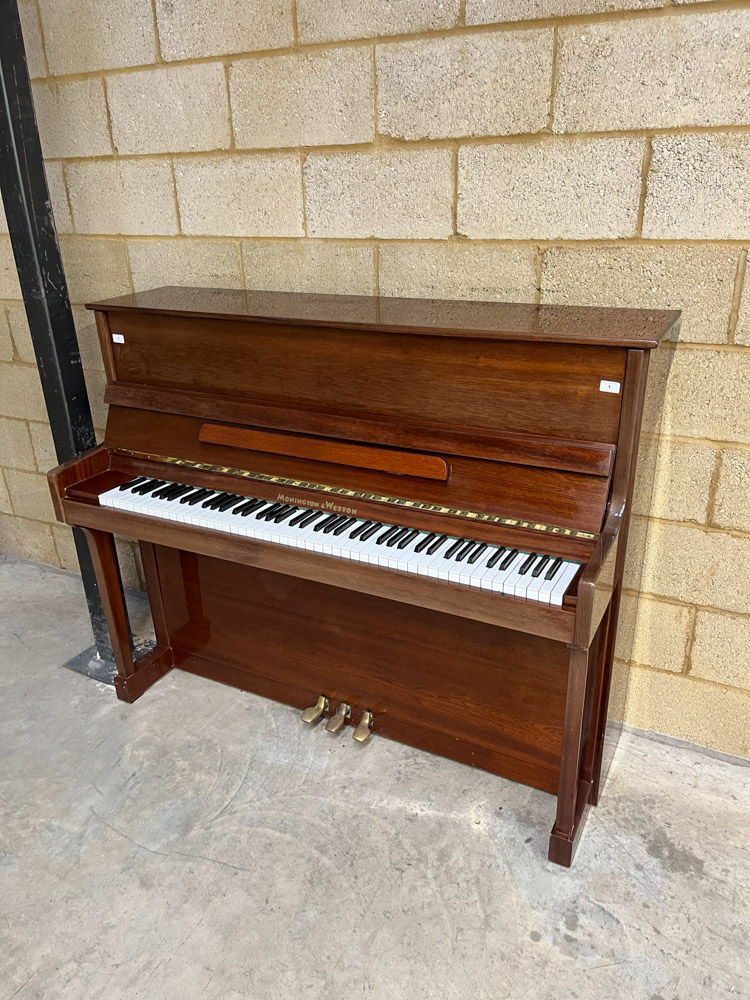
(338, 718)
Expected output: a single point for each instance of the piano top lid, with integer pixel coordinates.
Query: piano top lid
(597, 325)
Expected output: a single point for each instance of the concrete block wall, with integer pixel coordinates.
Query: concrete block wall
(581, 151)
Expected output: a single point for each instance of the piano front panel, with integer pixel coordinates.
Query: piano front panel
(569, 499)
(516, 387)
(461, 688)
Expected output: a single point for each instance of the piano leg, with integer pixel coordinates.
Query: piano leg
(593, 754)
(133, 676)
(573, 789)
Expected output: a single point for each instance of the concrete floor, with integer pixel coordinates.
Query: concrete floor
(205, 843)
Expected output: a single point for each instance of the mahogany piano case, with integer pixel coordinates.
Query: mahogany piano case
(289, 463)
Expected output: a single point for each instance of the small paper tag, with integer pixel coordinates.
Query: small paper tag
(605, 386)
(119, 339)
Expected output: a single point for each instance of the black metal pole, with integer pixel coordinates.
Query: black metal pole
(45, 294)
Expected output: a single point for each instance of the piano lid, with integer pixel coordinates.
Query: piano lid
(594, 325)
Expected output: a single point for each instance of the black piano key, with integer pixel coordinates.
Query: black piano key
(238, 504)
(164, 491)
(552, 571)
(370, 531)
(270, 513)
(246, 508)
(495, 557)
(133, 482)
(360, 528)
(225, 498)
(310, 517)
(175, 494)
(147, 487)
(215, 499)
(537, 570)
(265, 511)
(249, 507)
(527, 564)
(437, 544)
(465, 551)
(168, 494)
(284, 514)
(509, 559)
(157, 485)
(409, 537)
(157, 490)
(231, 501)
(192, 490)
(194, 498)
(326, 520)
(341, 528)
(476, 553)
(458, 544)
(386, 534)
(425, 542)
(396, 536)
(299, 517)
(334, 524)
(144, 485)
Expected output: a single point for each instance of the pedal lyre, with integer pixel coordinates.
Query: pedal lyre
(339, 717)
(314, 713)
(364, 728)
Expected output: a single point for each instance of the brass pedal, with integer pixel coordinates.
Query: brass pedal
(364, 728)
(314, 713)
(339, 717)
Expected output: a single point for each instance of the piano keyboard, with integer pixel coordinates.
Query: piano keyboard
(502, 569)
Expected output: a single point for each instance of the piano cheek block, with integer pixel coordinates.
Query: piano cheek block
(452, 581)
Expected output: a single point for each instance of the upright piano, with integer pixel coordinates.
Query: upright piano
(406, 516)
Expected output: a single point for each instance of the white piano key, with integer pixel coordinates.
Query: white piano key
(544, 592)
(344, 543)
(437, 559)
(563, 582)
(406, 557)
(511, 578)
(440, 566)
(489, 573)
(426, 558)
(474, 572)
(502, 579)
(369, 548)
(522, 583)
(535, 584)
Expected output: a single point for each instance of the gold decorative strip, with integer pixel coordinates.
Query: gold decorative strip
(342, 491)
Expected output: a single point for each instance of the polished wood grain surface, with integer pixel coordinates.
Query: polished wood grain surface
(406, 670)
(507, 423)
(592, 457)
(643, 328)
(567, 499)
(390, 460)
(551, 390)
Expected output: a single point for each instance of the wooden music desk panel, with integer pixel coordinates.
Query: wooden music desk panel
(499, 441)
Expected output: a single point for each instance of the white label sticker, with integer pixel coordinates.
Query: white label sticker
(119, 339)
(605, 386)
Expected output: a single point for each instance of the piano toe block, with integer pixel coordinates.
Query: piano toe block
(148, 670)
